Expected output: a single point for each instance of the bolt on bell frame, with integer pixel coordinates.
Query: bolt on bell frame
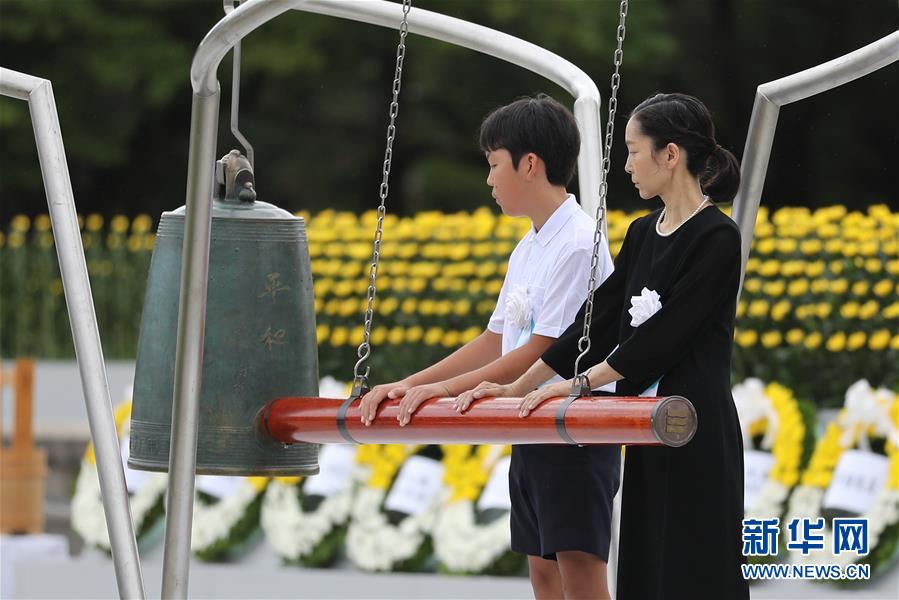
(195, 258)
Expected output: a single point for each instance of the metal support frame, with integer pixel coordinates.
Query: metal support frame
(769, 97)
(195, 259)
(79, 302)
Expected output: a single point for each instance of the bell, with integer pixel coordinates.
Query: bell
(259, 339)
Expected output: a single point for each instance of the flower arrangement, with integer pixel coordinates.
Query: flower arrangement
(394, 512)
(146, 492)
(778, 437)
(867, 426)
(305, 518)
(225, 515)
(472, 532)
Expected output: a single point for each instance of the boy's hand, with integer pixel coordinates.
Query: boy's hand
(538, 396)
(371, 400)
(464, 400)
(415, 396)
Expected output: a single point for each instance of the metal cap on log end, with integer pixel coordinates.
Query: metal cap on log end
(674, 421)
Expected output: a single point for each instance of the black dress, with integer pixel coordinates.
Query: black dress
(681, 507)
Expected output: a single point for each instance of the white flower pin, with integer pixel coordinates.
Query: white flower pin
(644, 306)
(518, 307)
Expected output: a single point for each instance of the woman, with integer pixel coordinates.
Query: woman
(681, 507)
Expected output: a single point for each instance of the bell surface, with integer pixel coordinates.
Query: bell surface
(259, 342)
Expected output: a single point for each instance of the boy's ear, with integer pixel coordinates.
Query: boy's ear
(530, 164)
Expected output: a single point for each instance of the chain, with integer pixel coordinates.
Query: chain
(583, 344)
(360, 380)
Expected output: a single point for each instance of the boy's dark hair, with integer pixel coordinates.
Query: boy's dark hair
(540, 125)
(684, 120)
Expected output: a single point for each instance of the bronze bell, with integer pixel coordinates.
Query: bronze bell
(260, 334)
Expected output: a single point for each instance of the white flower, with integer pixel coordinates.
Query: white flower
(865, 407)
(518, 308)
(754, 405)
(644, 306)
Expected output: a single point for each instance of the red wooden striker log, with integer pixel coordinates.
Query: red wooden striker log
(669, 421)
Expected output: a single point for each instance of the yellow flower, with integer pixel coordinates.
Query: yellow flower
(339, 336)
(770, 268)
(771, 339)
(780, 310)
(836, 266)
(747, 338)
(839, 286)
(823, 310)
(820, 286)
(774, 289)
(794, 337)
(42, 223)
(433, 336)
(849, 310)
(321, 333)
(119, 224)
(873, 265)
(753, 285)
(891, 311)
(741, 309)
(94, 222)
(20, 223)
(451, 339)
(879, 340)
(396, 336)
(378, 335)
(836, 342)
(815, 269)
(894, 343)
(882, 288)
(765, 246)
(856, 340)
(833, 246)
(786, 245)
(868, 310)
(811, 247)
(758, 308)
(860, 288)
(798, 287)
(414, 334)
(141, 224)
(409, 306)
(813, 340)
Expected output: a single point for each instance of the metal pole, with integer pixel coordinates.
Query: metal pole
(86, 335)
(774, 94)
(189, 345)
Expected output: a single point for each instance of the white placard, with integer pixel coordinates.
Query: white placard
(218, 486)
(336, 466)
(756, 469)
(857, 480)
(416, 486)
(133, 478)
(496, 492)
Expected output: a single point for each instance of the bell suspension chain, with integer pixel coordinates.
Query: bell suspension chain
(580, 385)
(360, 379)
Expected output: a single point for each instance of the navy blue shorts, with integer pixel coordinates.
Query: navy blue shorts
(562, 498)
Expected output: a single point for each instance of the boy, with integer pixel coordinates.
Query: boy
(531, 147)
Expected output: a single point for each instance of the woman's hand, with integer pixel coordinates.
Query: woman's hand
(378, 394)
(414, 396)
(487, 389)
(538, 396)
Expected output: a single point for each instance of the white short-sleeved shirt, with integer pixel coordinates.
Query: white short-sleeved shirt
(548, 276)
